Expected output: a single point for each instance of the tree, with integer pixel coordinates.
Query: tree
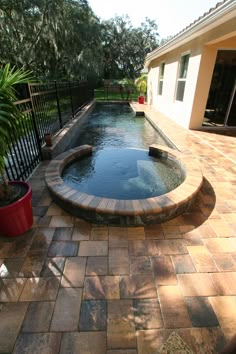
(125, 47)
(51, 37)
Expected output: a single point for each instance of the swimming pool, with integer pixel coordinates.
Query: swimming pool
(116, 126)
(112, 129)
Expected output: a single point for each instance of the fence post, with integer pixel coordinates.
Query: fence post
(58, 105)
(34, 120)
(71, 99)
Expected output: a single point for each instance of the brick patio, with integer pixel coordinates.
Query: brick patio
(68, 286)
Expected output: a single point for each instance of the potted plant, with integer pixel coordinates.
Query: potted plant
(126, 87)
(141, 85)
(15, 197)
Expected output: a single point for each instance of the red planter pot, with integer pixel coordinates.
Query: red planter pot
(17, 217)
(141, 99)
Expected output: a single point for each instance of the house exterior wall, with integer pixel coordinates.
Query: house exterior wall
(203, 50)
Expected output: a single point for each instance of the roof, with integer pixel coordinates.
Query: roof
(225, 8)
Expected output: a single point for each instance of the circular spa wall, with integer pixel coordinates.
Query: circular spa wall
(123, 186)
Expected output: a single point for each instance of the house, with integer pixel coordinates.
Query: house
(192, 76)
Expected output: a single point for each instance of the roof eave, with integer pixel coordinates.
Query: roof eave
(208, 22)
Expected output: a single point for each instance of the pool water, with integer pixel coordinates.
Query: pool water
(123, 174)
(116, 126)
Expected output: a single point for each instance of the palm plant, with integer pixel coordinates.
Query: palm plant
(10, 115)
(141, 84)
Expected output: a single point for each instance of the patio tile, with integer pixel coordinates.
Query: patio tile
(93, 248)
(101, 287)
(221, 228)
(120, 325)
(216, 245)
(122, 351)
(183, 264)
(173, 308)
(54, 209)
(10, 289)
(84, 342)
(53, 267)
(10, 268)
(140, 265)
(118, 237)
(171, 231)
(81, 233)
(147, 314)
(43, 221)
(163, 270)
(74, 272)
(5, 249)
(150, 341)
(37, 343)
(12, 316)
(38, 317)
(169, 247)
(63, 234)
(192, 238)
(62, 221)
(225, 310)
(93, 316)
(20, 246)
(97, 266)
(99, 233)
(224, 261)
(225, 283)
(154, 232)
(32, 265)
(118, 261)
(42, 239)
(202, 259)
(67, 309)
(207, 231)
(40, 289)
(201, 312)
(138, 248)
(63, 249)
(203, 340)
(197, 284)
(136, 233)
(137, 287)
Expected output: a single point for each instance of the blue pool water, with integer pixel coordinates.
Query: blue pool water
(115, 125)
(120, 166)
(123, 174)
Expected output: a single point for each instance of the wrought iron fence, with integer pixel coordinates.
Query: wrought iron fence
(47, 109)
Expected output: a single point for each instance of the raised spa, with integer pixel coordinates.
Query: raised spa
(124, 186)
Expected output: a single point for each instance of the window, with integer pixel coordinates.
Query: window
(183, 69)
(161, 78)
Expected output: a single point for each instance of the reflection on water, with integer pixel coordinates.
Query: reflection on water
(123, 174)
(115, 125)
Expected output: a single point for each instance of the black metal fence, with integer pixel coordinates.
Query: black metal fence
(46, 110)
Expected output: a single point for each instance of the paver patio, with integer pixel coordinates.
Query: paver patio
(68, 286)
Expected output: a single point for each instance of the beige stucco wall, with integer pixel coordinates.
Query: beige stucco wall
(203, 50)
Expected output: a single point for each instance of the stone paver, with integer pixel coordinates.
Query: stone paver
(69, 286)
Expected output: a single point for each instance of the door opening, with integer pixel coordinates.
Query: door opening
(221, 104)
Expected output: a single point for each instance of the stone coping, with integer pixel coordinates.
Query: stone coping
(124, 212)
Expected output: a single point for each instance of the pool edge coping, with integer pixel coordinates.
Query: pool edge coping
(171, 203)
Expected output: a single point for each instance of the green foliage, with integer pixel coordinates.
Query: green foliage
(125, 47)
(55, 39)
(9, 113)
(141, 84)
(64, 40)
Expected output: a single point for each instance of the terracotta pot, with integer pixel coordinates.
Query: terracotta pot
(48, 139)
(17, 217)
